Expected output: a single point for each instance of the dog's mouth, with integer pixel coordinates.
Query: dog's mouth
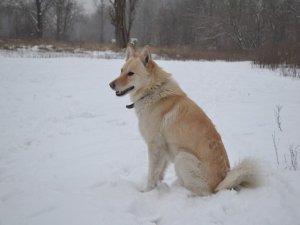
(124, 92)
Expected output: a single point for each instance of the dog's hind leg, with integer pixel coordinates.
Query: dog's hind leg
(190, 175)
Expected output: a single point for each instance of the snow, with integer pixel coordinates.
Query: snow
(49, 51)
(71, 153)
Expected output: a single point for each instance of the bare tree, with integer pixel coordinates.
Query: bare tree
(65, 12)
(36, 11)
(122, 13)
(101, 13)
(145, 21)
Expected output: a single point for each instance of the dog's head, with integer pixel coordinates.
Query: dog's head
(135, 73)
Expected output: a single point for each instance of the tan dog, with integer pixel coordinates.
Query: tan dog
(177, 130)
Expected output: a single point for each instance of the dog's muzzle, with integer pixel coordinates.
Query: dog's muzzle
(120, 93)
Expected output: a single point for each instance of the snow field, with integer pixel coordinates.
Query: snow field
(71, 153)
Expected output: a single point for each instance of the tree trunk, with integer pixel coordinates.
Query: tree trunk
(119, 14)
(39, 17)
(58, 20)
(120, 6)
(102, 21)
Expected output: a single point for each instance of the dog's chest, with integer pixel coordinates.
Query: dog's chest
(150, 125)
(151, 129)
(154, 121)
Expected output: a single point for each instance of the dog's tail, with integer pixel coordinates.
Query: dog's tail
(245, 174)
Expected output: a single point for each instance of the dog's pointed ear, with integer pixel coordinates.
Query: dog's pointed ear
(145, 55)
(129, 51)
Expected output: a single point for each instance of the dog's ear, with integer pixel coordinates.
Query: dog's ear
(145, 55)
(129, 51)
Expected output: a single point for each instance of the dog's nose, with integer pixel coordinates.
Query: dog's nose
(112, 85)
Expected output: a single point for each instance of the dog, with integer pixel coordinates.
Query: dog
(177, 130)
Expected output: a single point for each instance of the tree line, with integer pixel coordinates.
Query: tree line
(224, 24)
(61, 20)
(197, 24)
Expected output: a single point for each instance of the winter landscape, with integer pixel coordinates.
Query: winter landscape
(71, 153)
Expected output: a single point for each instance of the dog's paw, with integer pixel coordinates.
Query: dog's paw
(163, 188)
(147, 189)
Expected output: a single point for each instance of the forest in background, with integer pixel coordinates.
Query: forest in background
(267, 29)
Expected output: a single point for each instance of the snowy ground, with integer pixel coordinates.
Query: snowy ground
(71, 153)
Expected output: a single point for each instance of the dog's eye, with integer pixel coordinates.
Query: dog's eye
(130, 73)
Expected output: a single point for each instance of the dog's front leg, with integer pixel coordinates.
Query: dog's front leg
(157, 166)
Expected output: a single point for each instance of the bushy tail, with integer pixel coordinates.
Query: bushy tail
(245, 174)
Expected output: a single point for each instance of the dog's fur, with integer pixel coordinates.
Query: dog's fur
(177, 130)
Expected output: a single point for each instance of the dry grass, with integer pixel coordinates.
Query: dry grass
(285, 56)
(273, 56)
(211, 55)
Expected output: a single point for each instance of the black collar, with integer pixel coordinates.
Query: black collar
(130, 106)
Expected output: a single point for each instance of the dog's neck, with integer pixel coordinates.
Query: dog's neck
(148, 93)
(130, 106)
